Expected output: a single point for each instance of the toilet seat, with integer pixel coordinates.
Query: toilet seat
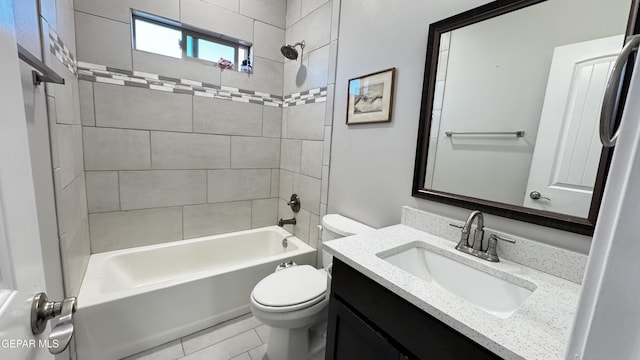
(291, 289)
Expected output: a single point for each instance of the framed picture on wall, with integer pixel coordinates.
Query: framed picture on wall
(371, 98)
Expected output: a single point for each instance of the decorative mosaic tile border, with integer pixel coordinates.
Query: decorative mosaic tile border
(109, 75)
(62, 52)
(306, 97)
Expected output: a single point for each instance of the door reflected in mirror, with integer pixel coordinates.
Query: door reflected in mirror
(515, 104)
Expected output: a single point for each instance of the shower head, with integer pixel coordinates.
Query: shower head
(290, 52)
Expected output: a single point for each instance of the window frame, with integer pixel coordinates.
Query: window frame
(187, 31)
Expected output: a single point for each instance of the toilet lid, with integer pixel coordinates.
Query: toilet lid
(291, 286)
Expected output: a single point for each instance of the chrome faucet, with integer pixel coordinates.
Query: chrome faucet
(490, 253)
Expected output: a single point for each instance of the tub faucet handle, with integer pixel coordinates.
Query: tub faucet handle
(294, 202)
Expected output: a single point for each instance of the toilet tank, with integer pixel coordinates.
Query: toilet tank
(335, 226)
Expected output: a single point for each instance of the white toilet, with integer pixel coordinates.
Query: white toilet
(293, 301)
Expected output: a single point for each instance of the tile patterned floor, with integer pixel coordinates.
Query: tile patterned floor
(243, 338)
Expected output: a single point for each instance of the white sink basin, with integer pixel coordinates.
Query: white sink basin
(488, 292)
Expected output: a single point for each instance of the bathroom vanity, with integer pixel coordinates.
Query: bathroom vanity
(367, 321)
(385, 305)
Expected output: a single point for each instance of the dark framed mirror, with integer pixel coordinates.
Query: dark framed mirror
(511, 105)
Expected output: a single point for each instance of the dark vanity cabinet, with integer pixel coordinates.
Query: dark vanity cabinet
(355, 339)
(368, 321)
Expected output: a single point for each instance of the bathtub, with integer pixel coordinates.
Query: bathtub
(134, 299)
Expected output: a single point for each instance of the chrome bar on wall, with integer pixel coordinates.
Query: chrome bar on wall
(519, 133)
(46, 73)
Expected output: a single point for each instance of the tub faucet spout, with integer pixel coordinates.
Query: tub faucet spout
(282, 222)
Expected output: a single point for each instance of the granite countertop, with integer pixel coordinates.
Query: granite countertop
(538, 329)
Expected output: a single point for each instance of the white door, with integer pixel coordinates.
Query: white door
(21, 267)
(567, 152)
(607, 325)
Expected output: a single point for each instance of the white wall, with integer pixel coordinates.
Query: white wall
(372, 165)
(503, 89)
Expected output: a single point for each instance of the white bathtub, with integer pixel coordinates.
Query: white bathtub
(135, 299)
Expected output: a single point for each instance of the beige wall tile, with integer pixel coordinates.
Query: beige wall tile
(216, 116)
(269, 11)
(295, 74)
(301, 228)
(169, 9)
(264, 212)
(137, 108)
(67, 141)
(178, 68)
(309, 6)
(271, 121)
(311, 163)
(116, 149)
(233, 5)
(290, 155)
(315, 28)
(212, 219)
(326, 150)
(87, 110)
(213, 18)
(158, 188)
(71, 207)
(275, 182)
(306, 122)
(103, 193)
(255, 152)
(126, 229)
(268, 40)
(74, 259)
(293, 12)
(266, 77)
(64, 23)
(324, 190)
(308, 189)
(318, 74)
(171, 150)
(103, 41)
(233, 185)
(286, 184)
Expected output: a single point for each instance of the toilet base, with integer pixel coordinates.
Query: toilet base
(296, 344)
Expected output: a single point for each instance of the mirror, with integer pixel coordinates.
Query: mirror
(511, 108)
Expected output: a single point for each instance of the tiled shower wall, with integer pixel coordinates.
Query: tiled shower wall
(163, 166)
(66, 142)
(306, 130)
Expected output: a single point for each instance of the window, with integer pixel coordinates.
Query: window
(156, 38)
(173, 40)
